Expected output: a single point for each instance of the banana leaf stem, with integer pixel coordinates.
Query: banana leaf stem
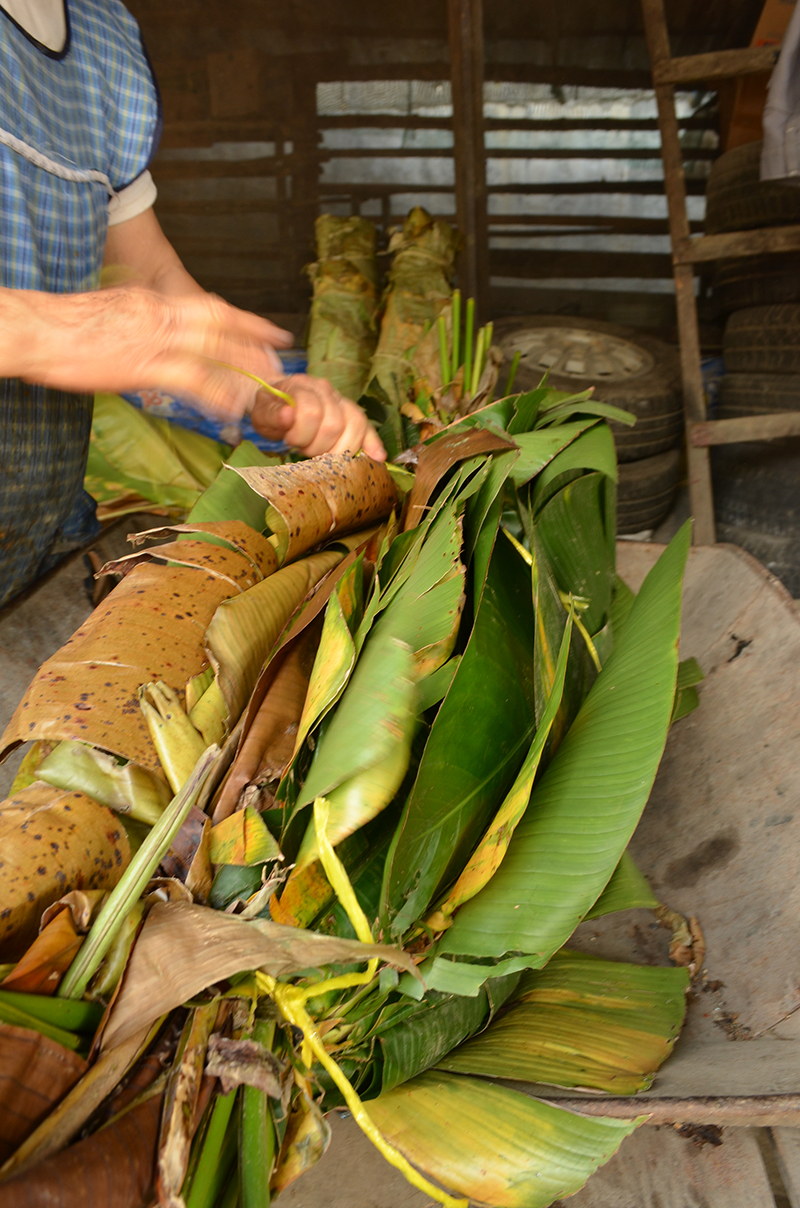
(444, 359)
(478, 363)
(512, 373)
(216, 1155)
(468, 334)
(456, 330)
(256, 1135)
(287, 398)
(128, 890)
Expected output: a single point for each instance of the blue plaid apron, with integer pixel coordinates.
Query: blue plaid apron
(75, 126)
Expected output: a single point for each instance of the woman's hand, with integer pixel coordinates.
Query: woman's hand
(129, 338)
(321, 421)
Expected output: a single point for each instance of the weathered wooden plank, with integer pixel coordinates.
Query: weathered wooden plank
(532, 263)
(658, 1168)
(381, 121)
(786, 1142)
(675, 187)
(752, 1111)
(328, 153)
(740, 243)
(718, 65)
(744, 428)
(628, 226)
(644, 188)
(465, 30)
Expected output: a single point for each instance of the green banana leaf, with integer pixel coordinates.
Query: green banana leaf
(571, 531)
(586, 806)
(583, 1023)
(494, 1145)
(627, 890)
(686, 698)
(134, 453)
(229, 497)
(461, 784)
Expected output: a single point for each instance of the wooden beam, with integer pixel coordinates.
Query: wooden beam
(766, 241)
(718, 65)
(744, 428)
(752, 1111)
(465, 27)
(644, 188)
(534, 262)
(626, 153)
(694, 405)
(381, 121)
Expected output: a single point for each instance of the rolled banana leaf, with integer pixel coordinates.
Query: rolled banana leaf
(343, 328)
(420, 287)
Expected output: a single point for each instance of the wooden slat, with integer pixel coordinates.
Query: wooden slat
(675, 187)
(661, 1169)
(747, 427)
(718, 65)
(330, 153)
(645, 188)
(600, 222)
(382, 121)
(465, 33)
(740, 243)
(787, 1153)
(529, 262)
(727, 1111)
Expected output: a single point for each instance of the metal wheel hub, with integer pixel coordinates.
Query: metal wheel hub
(578, 352)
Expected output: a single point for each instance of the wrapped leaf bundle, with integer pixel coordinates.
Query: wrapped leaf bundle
(343, 328)
(420, 285)
(446, 741)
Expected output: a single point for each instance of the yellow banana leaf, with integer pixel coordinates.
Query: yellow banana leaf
(585, 1023)
(308, 1135)
(243, 839)
(127, 787)
(315, 500)
(493, 1145)
(52, 842)
(245, 629)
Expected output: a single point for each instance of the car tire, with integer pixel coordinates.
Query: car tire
(738, 200)
(646, 491)
(756, 281)
(628, 369)
(763, 339)
(757, 394)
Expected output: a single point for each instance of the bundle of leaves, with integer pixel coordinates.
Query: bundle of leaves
(418, 288)
(343, 322)
(386, 756)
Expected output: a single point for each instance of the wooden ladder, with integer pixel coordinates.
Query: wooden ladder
(687, 252)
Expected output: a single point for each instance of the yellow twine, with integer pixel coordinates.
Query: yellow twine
(287, 398)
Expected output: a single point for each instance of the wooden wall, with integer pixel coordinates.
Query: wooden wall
(253, 150)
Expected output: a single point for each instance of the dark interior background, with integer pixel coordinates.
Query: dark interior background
(276, 112)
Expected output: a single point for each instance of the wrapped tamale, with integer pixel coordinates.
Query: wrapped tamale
(420, 286)
(343, 328)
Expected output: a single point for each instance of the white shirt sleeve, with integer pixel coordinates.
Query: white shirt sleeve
(134, 199)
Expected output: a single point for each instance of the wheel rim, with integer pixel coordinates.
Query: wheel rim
(577, 352)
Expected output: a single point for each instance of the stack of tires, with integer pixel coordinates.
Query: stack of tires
(628, 369)
(757, 485)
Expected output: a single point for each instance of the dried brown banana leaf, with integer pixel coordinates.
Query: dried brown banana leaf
(322, 498)
(35, 1073)
(51, 842)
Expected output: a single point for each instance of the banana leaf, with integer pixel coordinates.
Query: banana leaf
(499, 1147)
(586, 806)
(229, 497)
(183, 948)
(343, 321)
(150, 627)
(37, 1072)
(583, 1023)
(126, 787)
(244, 630)
(235, 534)
(313, 501)
(51, 842)
(459, 786)
(131, 453)
(419, 288)
(627, 890)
